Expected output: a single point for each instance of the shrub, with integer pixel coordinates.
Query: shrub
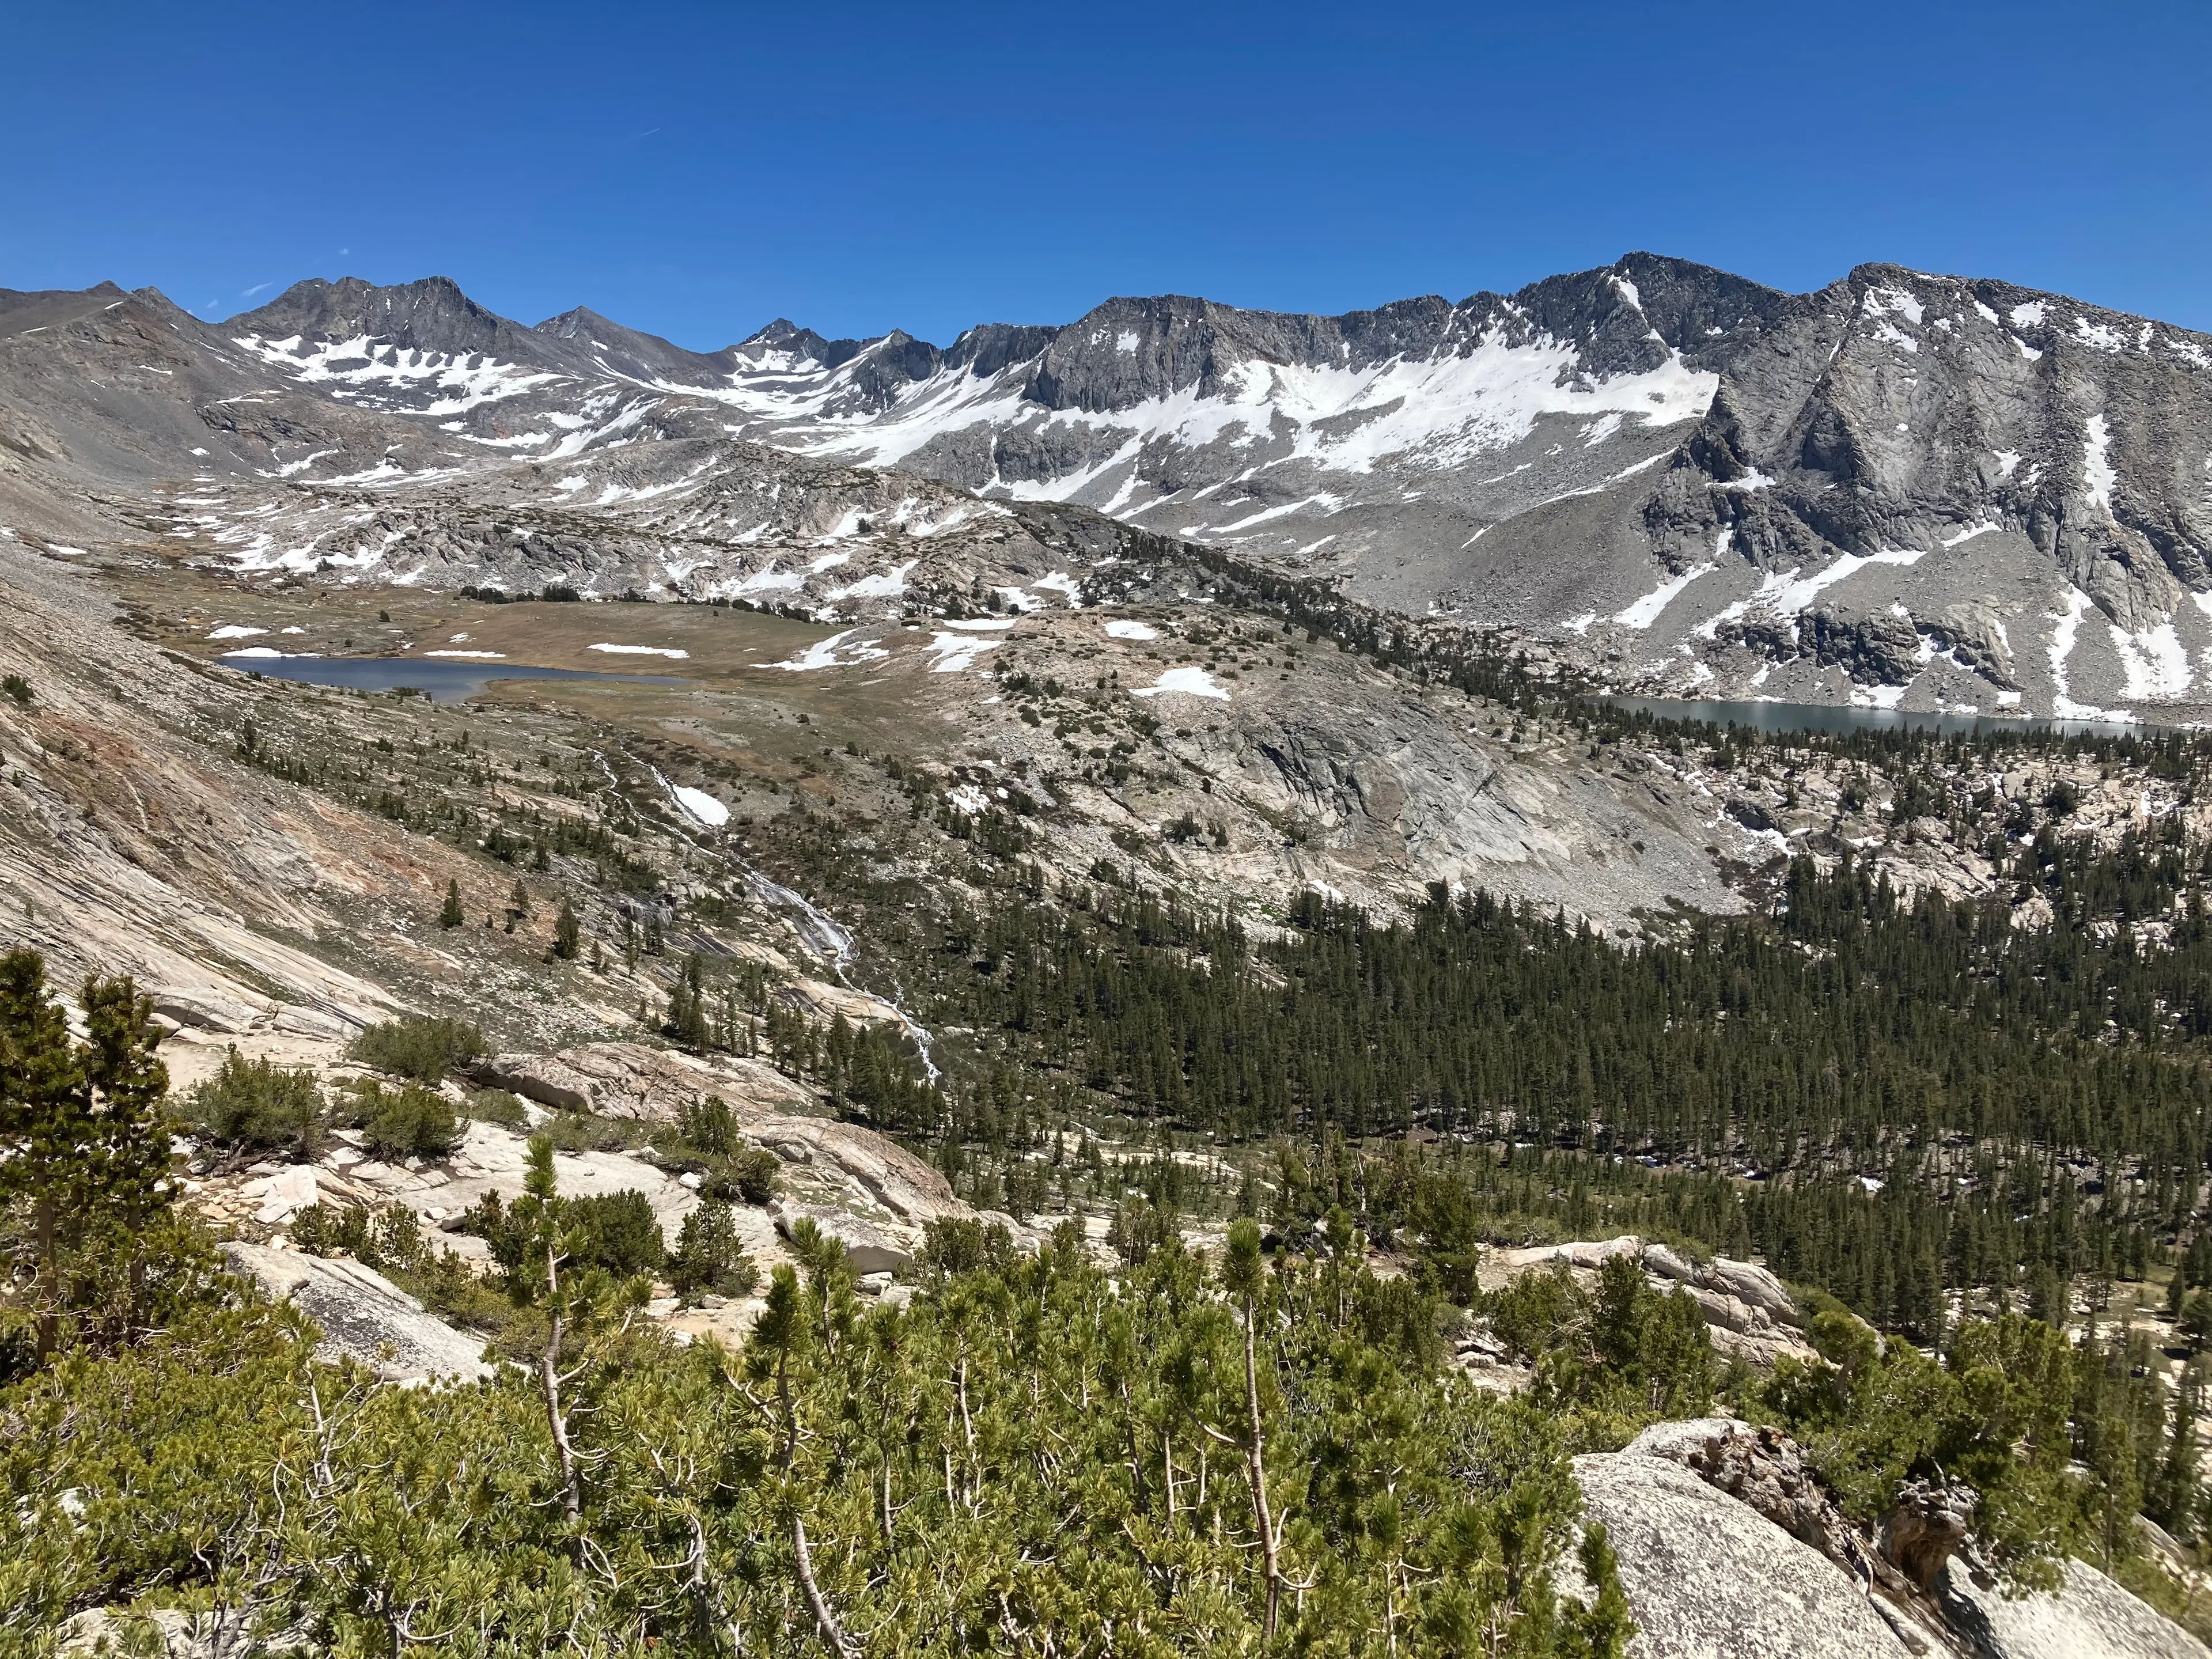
(418, 1046)
(708, 1258)
(750, 1176)
(18, 688)
(1536, 1312)
(498, 1106)
(580, 1132)
(1138, 1229)
(962, 1244)
(258, 1103)
(388, 1237)
(410, 1121)
(615, 1232)
(708, 1126)
(392, 1241)
(618, 1233)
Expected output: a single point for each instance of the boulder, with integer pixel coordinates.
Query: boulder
(2090, 1616)
(544, 1079)
(363, 1315)
(1709, 1577)
(870, 1248)
(1755, 1287)
(280, 1196)
(1764, 1470)
(1596, 1255)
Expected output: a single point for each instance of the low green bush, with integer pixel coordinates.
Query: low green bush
(391, 1240)
(498, 1106)
(749, 1177)
(581, 1132)
(259, 1105)
(710, 1126)
(408, 1122)
(418, 1046)
(708, 1258)
(615, 1232)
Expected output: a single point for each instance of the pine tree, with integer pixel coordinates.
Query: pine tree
(452, 914)
(567, 932)
(585, 1308)
(82, 1139)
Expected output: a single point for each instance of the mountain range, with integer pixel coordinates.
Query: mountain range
(1901, 491)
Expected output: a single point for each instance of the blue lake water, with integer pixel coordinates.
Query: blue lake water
(447, 680)
(1824, 717)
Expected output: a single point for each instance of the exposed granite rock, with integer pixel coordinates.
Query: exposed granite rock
(1698, 1584)
(2089, 1618)
(1709, 1577)
(638, 1081)
(1747, 1309)
(363, 1315)
(869, 1248)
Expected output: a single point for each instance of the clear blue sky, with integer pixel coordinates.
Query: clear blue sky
(696, 169)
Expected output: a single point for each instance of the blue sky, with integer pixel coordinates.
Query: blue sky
(696, 170)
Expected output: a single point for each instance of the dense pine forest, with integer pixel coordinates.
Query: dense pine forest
(1891, 1098)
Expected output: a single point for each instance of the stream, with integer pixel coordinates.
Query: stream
(821, 932)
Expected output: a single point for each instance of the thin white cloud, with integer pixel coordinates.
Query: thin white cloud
(255, 290)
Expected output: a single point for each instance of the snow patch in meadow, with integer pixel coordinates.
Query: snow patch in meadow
(1131, 630)
(234, 631)
(956, 653)
(824, 653)
(638, 650)
(1191, 682)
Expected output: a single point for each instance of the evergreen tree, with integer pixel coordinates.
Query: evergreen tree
(86, 1149)
(451, 915)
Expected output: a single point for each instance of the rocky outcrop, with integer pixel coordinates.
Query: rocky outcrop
(1709, 1577)
(637, 1081)
(1747, 1309)
(869, 1248)
(1730, 1545)
(363, 1316)
(2089, 1617)
(859, 1186)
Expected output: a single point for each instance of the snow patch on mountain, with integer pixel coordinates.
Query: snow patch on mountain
(366, 369)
